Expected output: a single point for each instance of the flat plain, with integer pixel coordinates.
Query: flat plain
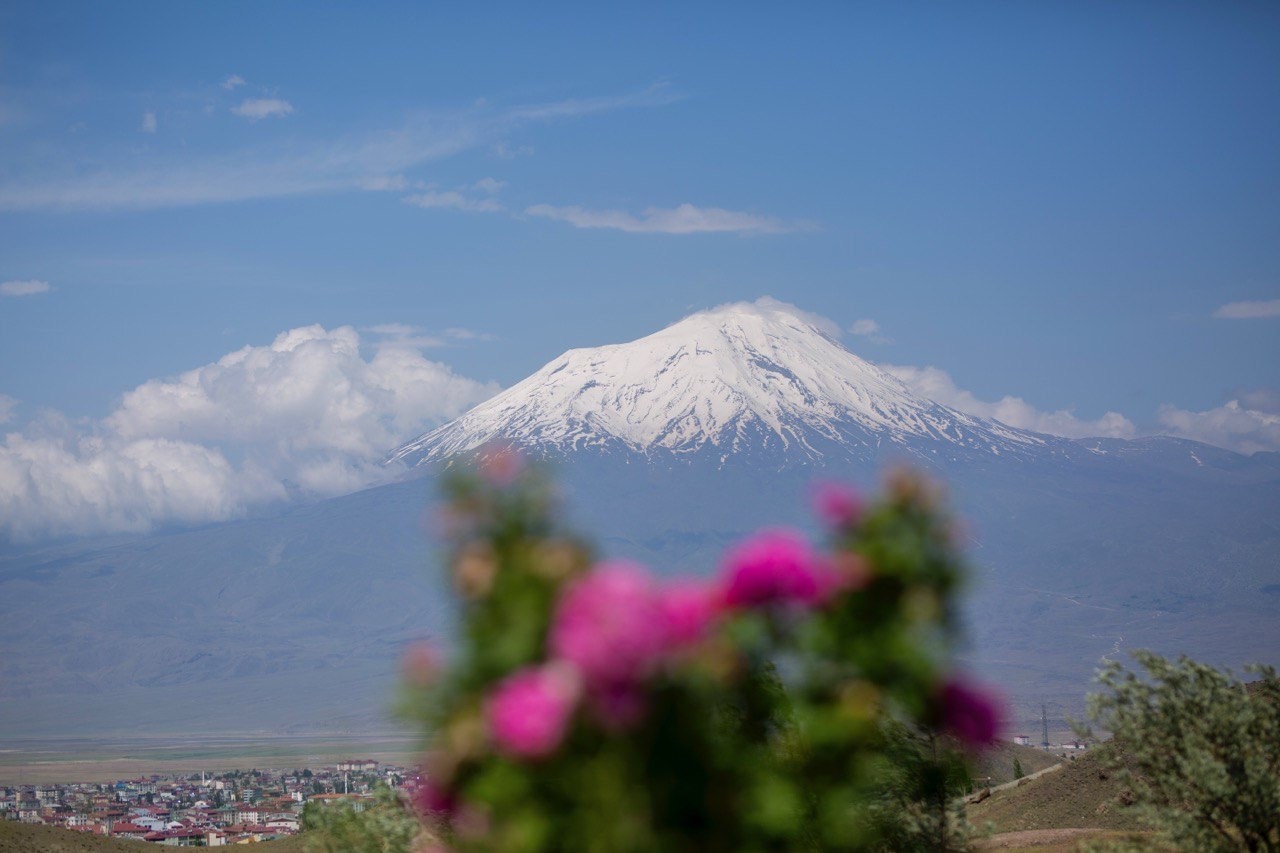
(35, 761)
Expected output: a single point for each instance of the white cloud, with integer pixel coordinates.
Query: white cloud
(459, 334)
(385, 183)
(506, 151)
(1249, 310)
(401, 335)
(259, 108)
(685, 219)
(1246, 425)
(394, 329)
(453, 200)
(489, 185)
(232, 82)
(936, 384)
(29, 287)
(869, 329)
(149, 123)
(282, 169)
(7, 407)
(306, 414)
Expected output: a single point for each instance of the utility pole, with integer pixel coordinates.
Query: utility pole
(1044, 725)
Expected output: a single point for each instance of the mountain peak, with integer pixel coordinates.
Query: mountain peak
(743, 377)
(764, 313)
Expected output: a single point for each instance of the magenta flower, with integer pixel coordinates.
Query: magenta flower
(618, 705)
(970, 713)
(530, 710)
(688, 609)
(431, 799)
(837, 504)
(773, 567)
(500, 465)
(609, 624)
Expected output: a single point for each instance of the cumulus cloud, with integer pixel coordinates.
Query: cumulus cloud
(1247, 424)
(1249, 310)
(869, 329)
(306, 415)
(232, 82)
(685, 219)
(936, 384)
(29, 287)
(149, 123)
(259, 108)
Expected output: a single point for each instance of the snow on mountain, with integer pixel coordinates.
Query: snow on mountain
(741, 377)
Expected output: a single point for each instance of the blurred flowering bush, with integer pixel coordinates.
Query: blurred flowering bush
(802, 699)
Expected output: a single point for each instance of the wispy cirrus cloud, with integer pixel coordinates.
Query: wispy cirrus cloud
(476, 198)
(415, 337)
(1255, 310)
(232, 81)
(29, 287)
(149, 123)
(275, 170)
(260, 108)
(684, 219)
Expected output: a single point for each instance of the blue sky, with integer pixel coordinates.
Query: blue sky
(1044, 201)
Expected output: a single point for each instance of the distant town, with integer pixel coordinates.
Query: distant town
(201, 809)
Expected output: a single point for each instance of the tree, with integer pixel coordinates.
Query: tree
(1199, 748)
(1017, 769)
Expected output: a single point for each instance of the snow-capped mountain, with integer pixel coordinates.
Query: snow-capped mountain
(748, 376)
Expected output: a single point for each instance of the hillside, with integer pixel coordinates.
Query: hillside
(1083, 793)
(996, 762)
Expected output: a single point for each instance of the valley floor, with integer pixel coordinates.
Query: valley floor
(38, 761)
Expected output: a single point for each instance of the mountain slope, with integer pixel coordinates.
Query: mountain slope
(755, 378)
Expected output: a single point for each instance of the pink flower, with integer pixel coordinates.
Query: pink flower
(774, 566)
(530, 710)
(610, 625)
(500, 465)
(837, 504)
(840, 573)
(421, 664)
(970, 713)
(688, 609)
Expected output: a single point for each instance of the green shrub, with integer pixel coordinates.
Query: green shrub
(1199, 749)
(804, 699)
